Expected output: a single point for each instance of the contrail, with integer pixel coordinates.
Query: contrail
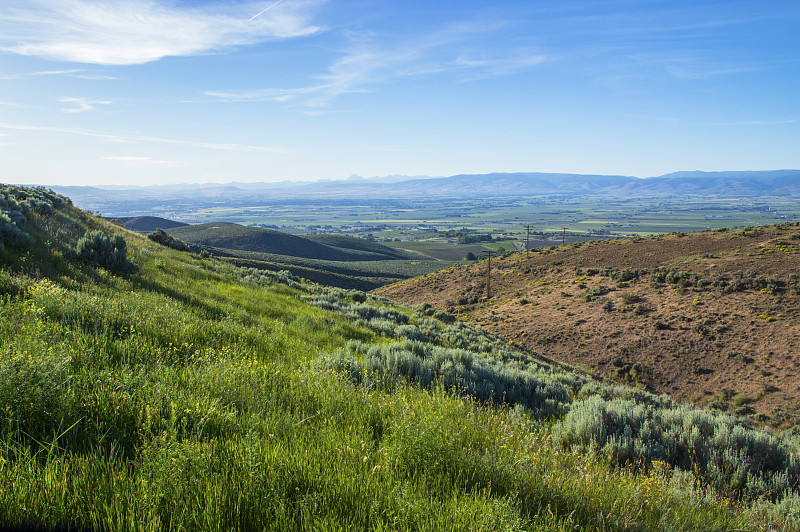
(265, 10)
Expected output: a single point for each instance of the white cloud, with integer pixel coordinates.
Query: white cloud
(481, 66)
(73, 73)
(127, 32)
(92, 77)
(81, 105)
(140, 162)
(369, 62)
(55, 72)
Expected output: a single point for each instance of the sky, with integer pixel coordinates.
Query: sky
(143, 92)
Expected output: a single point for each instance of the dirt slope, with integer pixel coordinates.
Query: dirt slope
(711, 317)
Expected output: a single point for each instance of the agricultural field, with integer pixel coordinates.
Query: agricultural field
(303, 230)
(147, 388)
(439, 250)
(579, 215)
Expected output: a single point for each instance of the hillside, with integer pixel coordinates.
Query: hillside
(710, 317)
(146, 388)
(360, 244)
(334, 260)
(232, 236)
(148, 224)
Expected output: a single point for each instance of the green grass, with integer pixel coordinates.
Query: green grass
(440, 250)
(362, 275)
(184, 397)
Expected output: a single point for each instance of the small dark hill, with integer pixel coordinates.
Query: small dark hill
(238, 237)
(148, 224)
(232, 236)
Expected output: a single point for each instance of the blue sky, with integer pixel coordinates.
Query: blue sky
(179, 91)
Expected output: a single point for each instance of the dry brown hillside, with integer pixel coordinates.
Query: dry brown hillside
(711, 317)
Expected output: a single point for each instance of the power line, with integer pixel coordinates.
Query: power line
(527, 241)
(488, 254)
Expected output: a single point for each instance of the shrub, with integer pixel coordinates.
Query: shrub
(11, 235)
(622, 276)
(594, 292)
(732, 458)
(160, 236)
(461, 371)
(109, 252)
(629, 298)
(740, 399)
(15, 204)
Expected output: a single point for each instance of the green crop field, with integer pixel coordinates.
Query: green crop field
(440, 250)
(145, 388)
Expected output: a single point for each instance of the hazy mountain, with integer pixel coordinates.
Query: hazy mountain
(137, 200)
(747, 183)
(511, 184)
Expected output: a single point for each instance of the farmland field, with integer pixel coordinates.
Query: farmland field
(416, 219)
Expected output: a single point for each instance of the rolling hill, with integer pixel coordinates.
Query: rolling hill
(148, 224)
(232, 236)
(334, 260)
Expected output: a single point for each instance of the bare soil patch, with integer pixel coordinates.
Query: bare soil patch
(724, 335)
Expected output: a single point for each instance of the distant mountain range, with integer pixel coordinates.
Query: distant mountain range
(712, 184)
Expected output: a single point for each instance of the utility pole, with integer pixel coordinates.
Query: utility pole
(488, 254)
(527, 241)
(564, 236)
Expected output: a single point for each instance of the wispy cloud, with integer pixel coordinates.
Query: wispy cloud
(482, 66)
(141, 139)
(368, 63)
(699, 70)
(143, 162)
(81, 105)
(750, 123)
(73, 73)
(93, 77)
(127, 32)
(70, 72)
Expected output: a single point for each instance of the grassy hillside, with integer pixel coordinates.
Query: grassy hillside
(255, 239)
(186, 394)
(361, 275)
(710, 317)
(334, 260)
